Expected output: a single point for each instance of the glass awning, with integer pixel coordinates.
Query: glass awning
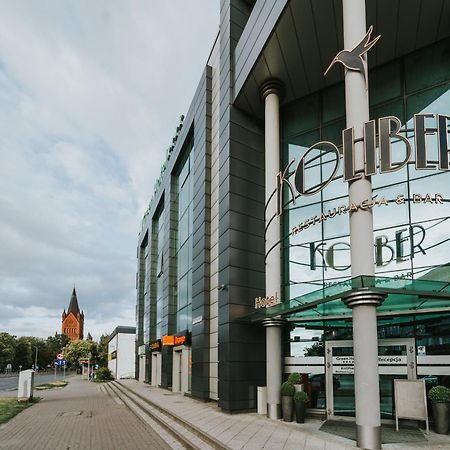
(403, 296)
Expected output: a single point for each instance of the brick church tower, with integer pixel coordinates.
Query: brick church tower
(73, 320)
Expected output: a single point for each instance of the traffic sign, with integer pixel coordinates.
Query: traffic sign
(59, 356)
(60, 362)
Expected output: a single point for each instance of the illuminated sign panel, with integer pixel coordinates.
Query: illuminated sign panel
(174, 340)
(155, 346)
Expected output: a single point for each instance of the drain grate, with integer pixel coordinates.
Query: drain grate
(70, 413)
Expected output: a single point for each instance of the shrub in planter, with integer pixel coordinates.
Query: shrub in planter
(287, 402)
(296, 379)
(300, 400)
(440, 401)
(104, 374)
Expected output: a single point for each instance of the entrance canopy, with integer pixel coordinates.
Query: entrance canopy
(403, 297)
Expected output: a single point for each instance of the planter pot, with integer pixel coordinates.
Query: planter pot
(300, 412)
(441, 414)
(287, 407)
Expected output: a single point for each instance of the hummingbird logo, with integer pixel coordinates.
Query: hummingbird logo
(353, 59)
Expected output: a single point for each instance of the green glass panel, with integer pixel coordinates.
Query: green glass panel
(419, 102)
(333, 100)
(333, 132)
(394, 108)
(182, 292)
(428, 67)
(384, 83)
(401, 295)
(344, 395)
(301, 117)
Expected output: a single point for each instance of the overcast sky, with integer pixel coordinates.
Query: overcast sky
(90, 97)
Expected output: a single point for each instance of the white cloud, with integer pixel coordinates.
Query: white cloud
(90, 96)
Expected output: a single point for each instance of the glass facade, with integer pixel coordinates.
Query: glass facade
(145, 273)
(158, 270)
(184, 243)
(411, 236)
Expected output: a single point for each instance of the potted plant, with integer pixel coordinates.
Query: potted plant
(300, 401)
(296, 379)
(440, 400)
(287, 401)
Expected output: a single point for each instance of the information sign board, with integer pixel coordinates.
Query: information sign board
(410, 401)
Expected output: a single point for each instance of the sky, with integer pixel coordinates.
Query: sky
(90, 97)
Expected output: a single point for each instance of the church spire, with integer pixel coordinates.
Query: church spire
(73, 305)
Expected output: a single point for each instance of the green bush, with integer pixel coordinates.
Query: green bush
(104, 374)
(439, 394)
(288, 389)
(301, 397)
(295, 378)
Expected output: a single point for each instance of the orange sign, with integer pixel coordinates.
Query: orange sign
(168, 340)
(174, 340)
(179, 340)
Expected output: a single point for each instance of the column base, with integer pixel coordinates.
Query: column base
(274, 411)
(368, 438)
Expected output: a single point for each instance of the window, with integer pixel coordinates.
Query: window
(184, 202)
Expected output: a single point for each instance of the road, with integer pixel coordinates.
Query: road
(11, 382)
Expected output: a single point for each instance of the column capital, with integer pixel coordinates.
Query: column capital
(271, 86)
(364, 296)
(274, 322)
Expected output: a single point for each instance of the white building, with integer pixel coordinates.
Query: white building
(121, 352)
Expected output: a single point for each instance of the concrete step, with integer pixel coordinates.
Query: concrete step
(178, 432)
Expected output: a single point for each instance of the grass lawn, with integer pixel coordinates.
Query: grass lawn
(51, 385)
(9, 407)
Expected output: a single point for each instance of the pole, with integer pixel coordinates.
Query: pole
(64, 376)
(362, 302)
(55, 370)
(35, 360)
(270, 92)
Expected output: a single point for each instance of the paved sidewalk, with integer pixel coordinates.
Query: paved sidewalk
(80, 416)
(251, 431)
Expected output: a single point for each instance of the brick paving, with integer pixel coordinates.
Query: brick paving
(80, 416)
(84, 416)
(252, 431)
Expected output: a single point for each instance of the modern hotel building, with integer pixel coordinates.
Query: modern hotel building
(300, 223)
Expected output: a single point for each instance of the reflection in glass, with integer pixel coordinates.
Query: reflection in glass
(183, 298)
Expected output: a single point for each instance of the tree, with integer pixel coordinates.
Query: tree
(76, 350)
(23, 357)
(7, 350)
(103, 350)
(317, 349)
(56, 343)
(26, 352)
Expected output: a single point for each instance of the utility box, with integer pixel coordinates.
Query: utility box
(26, 385)
(261, 400)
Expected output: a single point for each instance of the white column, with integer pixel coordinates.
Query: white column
(274, 365)
(365, 342)
(270, 92)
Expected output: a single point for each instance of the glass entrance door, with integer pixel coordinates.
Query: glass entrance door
(396, 360)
